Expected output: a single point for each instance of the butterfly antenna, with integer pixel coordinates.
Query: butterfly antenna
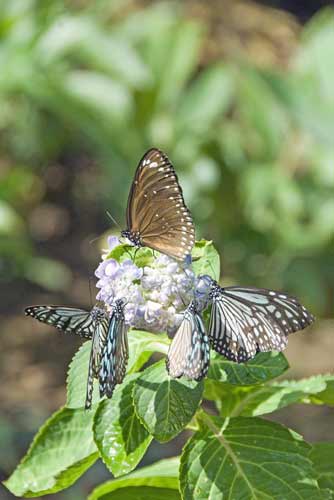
(182, 300)
(94, 239)
(113, 220)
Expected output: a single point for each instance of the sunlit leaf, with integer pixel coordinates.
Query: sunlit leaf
(326, 396)
(206, 259)
(206, 100)
(322, 456)
(165, 405)
(142, 345)
(265, 366)
(77, 378)
(121, 438)
(181, 60)
(100, 94)
(159, 480)
(61, 452)
(246, 458)
(264, 398)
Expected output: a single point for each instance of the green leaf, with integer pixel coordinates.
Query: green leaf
(165, 405)
(246, 458)
(121, 438)
(322, 456)
(265, 366)
(144, 256)
(114, 56)
(122, 252)
(157, 479)
(141, 347)
(61, 452)
(260, 399)
(226, 396)
(327, 395)
(140, 256)
(99, 94)
(142, 492)
(77, 378)
(10, 221)
(206, 259)
(269, 398)
(262, 115)
(182, 57)
(206, 100)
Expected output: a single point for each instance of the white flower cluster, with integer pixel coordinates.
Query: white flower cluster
(156, 294)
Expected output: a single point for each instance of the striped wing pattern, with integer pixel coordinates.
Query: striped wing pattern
(157, 216)
(66, 319)
(115, 353)
(248, 320)
(101, 322)
(189, 352)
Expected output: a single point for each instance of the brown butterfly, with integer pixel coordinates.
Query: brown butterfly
(157, 216)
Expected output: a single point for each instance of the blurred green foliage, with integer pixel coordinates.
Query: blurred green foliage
(253, 147)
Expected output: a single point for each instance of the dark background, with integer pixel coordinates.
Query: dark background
(238, 94)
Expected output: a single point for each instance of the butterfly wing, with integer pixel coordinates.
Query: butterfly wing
(180, 348)
(101, 323)
(189, 352)
(67, 319)
(114, 356)
(122, 353)
(156, 210)
(245, 321)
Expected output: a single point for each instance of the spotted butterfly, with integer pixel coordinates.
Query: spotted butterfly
(157, 216)
(115, 352)
(189, 352)
(247, 320)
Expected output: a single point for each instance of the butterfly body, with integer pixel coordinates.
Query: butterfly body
(157, 216)
(247, 320)
(115, 354)
(101, 321)
(134, 237)
(189, 352)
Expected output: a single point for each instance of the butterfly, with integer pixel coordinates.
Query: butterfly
(189, 352)
(115, 352)
(247, 320)
(67, 319)
(92, 324)
(156, 214)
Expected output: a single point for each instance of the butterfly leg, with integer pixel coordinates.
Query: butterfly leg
(134, 257)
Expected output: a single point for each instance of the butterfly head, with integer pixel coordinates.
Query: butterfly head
(133, 236)
(98, 312)
(119, 306)
(215, 290)
(206, 287)
(193, 307)
(208, 284)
